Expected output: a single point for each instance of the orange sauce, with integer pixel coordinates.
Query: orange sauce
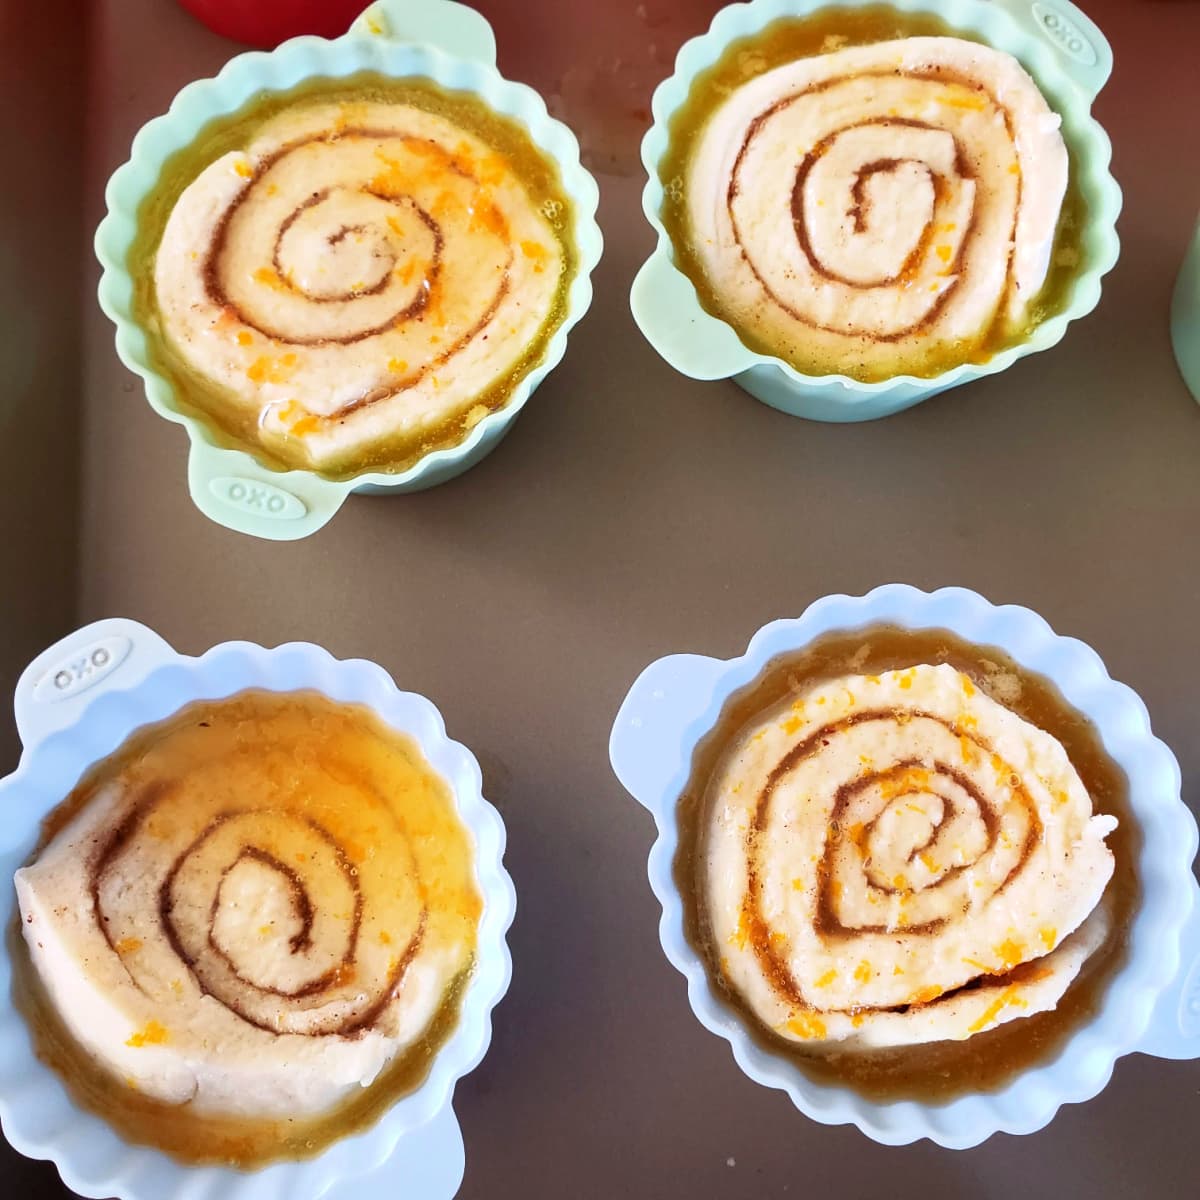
(293, 753)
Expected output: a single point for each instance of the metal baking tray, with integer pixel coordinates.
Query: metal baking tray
(632, 512)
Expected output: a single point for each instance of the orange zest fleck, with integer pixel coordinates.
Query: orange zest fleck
(967, 686)
(385, 938)
(537, 252)
(266, 369)
(791, 725)
(1049, 936)
(863, 971)
(911, 779)
(926, 994)
(245, 170)
(806, 1025)
(1009, 952)
(826, 979)
(130, 945)
(151, 1034)
(244, 337)
(1009, 997)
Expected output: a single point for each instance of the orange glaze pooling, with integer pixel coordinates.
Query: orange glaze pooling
(370, 788)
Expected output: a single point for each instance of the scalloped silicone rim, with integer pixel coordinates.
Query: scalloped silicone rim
(306, 57)
(1086, 137)
(1084, 1063)
(68, 1134)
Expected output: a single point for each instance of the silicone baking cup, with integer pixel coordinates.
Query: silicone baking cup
(434, 39)
(1069, 58)
(1152, 1004)
(76, 704)
(1185, 316)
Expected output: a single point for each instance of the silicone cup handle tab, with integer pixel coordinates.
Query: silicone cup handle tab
(427, 1164)
(1083, 51)
(668, 313)
(234, 490)
(647, 746)
(444, 24)
(55, 688)
(1174, 1030)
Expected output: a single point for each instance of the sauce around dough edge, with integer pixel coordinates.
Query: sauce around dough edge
(932, 1071)
(209, 1138)
(208, 401)
(792, 38)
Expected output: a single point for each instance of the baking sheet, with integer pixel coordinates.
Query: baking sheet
(630, 513)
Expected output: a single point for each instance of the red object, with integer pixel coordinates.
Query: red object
(266, 23)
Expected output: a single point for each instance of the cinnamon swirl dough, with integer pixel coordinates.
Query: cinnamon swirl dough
(358, 281)
(883, 209)
(257, 909)
(897, 858)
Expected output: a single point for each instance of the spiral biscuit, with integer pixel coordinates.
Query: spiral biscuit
(361, 275)
(882, 209)
(898, 858)
(246, 923)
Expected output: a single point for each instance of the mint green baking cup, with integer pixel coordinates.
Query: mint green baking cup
(438, 40)
(1070, 60)
(1185, 316)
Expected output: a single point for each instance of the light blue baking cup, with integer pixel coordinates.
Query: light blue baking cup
(1070, 60)
(1151, 1005)
(75, 705)
(453, 46)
